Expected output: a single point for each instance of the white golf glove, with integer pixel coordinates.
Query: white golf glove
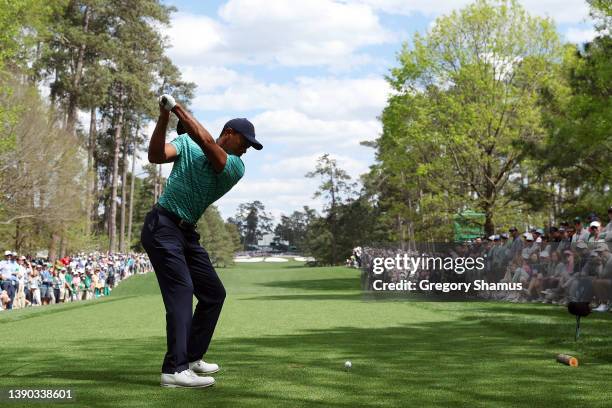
(167, 102)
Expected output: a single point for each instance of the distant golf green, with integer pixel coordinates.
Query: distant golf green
(286, 331)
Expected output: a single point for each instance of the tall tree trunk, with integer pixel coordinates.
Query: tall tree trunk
(129, 233)
(76, 79)
(489, 200)
(18, 236)
(489, 227)
(55, 239)
(63, 243)
(123, 195)
(91, 145)
(112, 221)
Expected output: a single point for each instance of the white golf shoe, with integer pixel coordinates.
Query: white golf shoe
(186, 379)
(202, 367)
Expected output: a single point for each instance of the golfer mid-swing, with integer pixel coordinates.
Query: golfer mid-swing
(203, 171)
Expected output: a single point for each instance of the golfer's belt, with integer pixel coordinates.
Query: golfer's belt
(175, 218)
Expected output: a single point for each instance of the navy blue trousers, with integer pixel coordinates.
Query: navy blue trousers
(183, 269)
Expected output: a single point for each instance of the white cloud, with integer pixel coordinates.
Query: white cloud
(289, 33)
(210, 78)
(321, 97)
(301, 131)
(279, 195)
(579, 36)
(296, 166)
(272, 186)
(288, 190)
(193, 35)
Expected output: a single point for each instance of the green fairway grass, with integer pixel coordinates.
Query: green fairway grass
(284, 335)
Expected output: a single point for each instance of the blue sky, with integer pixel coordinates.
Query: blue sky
(309, 75)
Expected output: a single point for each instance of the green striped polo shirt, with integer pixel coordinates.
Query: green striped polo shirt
(193, 185)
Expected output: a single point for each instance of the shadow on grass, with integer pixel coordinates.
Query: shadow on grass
(314, 296)
(336, 284)
(539, 309)
(470, 361)
(31, 312)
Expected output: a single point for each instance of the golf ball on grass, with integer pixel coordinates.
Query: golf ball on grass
(348, 365)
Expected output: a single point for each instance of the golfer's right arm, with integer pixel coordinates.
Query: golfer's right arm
(159, 150)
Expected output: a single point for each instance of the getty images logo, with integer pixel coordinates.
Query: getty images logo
(413, 263)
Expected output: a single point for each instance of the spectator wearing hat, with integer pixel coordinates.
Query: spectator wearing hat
(8, 272)
(581, 234)
(564, 240)
(593, 232)
(110, 279)
(22, 264)
(112, 271)
(87, 282)
(495, 258)
(68, 286)
(35, 283)
(61, 274)
(56, 285)
(16, 268)
(530, 243)
(602, 284)
(102, 284)
(516, 245)
(46, 287)
(96, 279)
(555, 234)
(547, 245)
(76, 286)
(84, 285)
(537, 233)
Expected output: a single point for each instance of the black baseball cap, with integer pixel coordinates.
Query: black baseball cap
(240, 125)
(246, 129)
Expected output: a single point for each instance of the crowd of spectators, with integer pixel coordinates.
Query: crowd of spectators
(550, 263)
(31, 282)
